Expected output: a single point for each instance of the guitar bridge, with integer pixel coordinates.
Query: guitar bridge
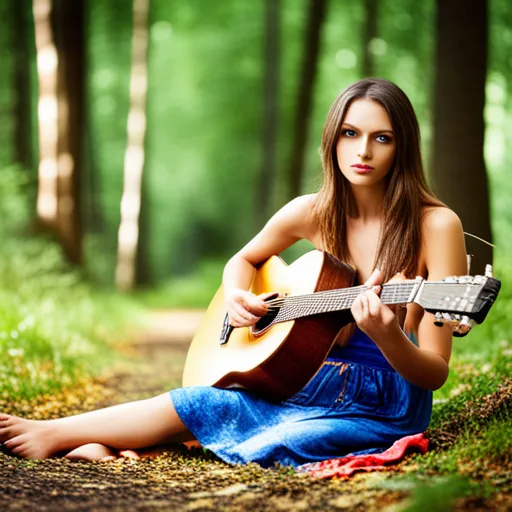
(227, 329)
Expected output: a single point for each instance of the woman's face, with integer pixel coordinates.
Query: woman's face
(366, 147)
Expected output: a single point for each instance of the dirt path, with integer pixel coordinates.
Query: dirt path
(178, 479)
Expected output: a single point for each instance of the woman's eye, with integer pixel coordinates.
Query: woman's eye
(350, 133)
(384, 138)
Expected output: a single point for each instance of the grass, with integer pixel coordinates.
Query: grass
(54, 326)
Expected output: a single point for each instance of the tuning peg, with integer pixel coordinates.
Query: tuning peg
(463, 327)
(449, 318)
(438, 322)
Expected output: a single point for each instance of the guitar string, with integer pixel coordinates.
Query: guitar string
(298, 308)
(326, 294)
(427, 292)
(335, 298)
(347, 294)
(341, 299)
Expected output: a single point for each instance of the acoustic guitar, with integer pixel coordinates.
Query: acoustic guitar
(285, 348)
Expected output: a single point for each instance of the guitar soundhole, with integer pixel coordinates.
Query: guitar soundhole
(265, 321)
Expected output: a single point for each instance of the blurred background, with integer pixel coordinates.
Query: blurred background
(149, 140)
(143, 142)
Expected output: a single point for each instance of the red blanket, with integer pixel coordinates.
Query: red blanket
(347, 466)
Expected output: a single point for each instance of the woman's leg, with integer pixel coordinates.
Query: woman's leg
(131, 425)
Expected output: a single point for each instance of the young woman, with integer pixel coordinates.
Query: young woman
(374, 211)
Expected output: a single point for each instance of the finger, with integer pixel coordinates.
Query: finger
(363, 301)
(243, 313)
(374, 303)
(253, 305)
(374, 279)
(257, 307)
(268, 295)
(236, 320)
(356, 308)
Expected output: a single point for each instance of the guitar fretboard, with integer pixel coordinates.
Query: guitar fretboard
(299, 306)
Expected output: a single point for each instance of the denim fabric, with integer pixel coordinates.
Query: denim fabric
(348, 407)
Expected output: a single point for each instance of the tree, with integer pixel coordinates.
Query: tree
(21, 40)
(128, 235)
(59, 30)
(70, 42)
(271, 118)
(294, 175)
(458, 171)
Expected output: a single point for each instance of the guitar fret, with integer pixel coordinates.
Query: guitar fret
(338, 300)
(457, 297)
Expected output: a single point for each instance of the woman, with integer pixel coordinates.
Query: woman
(374, 210)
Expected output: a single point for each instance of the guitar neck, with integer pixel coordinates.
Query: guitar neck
(299, 306)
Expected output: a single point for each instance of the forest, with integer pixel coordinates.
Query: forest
(144, 142)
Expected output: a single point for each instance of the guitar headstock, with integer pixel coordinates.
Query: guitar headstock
(461, 301)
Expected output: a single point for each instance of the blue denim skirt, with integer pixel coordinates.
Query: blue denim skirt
(355, 404)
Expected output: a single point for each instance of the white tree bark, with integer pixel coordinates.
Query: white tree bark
(128, 234)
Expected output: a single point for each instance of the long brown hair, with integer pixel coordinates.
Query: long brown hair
(407, 193)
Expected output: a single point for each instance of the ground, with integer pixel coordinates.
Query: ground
(180, 479)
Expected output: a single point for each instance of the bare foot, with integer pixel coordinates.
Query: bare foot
(30, 439)
(129, 454)
(91, 451)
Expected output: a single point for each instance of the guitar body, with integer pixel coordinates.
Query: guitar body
(280, 360)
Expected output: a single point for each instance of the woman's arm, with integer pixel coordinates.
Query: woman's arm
(291, 223)
(426, 365)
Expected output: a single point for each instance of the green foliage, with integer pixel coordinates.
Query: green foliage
(188, 291)
(53, 326)
(482, 453)
(441, 494)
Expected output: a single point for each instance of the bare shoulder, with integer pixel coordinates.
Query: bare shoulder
(304, 203)
(298, 215)
(443, 245)
(442, 219)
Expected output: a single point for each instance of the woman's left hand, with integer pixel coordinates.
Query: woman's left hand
(370, 314)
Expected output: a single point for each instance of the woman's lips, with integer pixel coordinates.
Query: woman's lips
(362, 168)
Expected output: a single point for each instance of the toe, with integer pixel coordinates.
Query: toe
(14, 442)
(4, 434)
(129, 454)
(18, 450)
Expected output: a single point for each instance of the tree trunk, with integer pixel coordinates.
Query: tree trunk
(47, 109)
(369, 33)
(70, 43)
(143, 274)
(21, 84)
(294, 176)
(459, 172)
(128, 237)
(59, 31)
(267, 176)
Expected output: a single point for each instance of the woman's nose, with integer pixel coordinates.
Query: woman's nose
(364, 149)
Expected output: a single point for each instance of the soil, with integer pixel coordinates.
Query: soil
(179, 478)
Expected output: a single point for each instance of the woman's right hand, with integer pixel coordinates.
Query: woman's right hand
(246, 308)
